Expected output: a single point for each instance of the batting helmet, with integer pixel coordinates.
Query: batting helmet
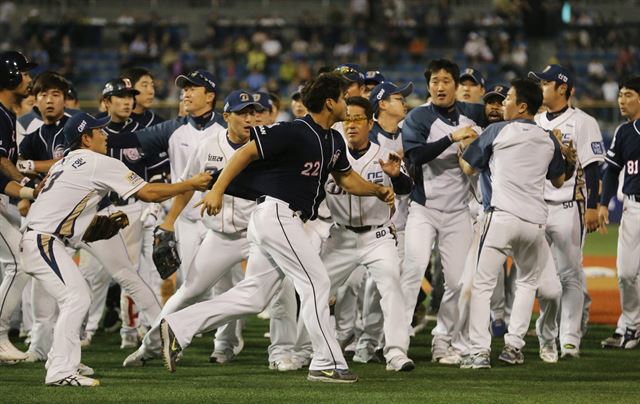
(12, 64)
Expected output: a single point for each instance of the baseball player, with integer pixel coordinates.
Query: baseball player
(439, 207)
(298, 110)
(371, 79)
(388, 104)
(624, 155)
(142, 81)
(267, 114)
(567, 219)
(226, 234)
(363, 233)
(14, 83)
(64, 211)
(471, 87)
(520, 156)
(291, 164)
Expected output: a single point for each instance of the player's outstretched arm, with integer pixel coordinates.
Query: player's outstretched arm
(15, 190)
(178, 205)
(158, 192)
(354, 184)
(212, 201)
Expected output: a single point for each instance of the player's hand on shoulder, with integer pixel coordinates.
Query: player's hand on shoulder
(569, 152)
(211, 202)
(603, 218)
(464, 133)
(391, 167)
(386, 195)
(200, 182)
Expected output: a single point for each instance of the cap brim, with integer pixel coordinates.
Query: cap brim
(537, 76)
(492, 94)
(468, 76)
(406, 90)
(130, 91)
(242, 106)
(100, 122)
(182, 80)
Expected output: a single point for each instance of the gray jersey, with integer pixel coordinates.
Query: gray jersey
(521, 156)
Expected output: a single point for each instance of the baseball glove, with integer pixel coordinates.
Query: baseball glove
(165, 252)
(105, 227)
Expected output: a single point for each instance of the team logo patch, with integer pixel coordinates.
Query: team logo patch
(131, 154)
(335, 157)
(468, 71)
(133, 178)
(597, 147)
(58, 152)
(371, 74)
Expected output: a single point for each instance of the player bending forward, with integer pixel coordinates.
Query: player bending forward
(61, 215)
(291, 163)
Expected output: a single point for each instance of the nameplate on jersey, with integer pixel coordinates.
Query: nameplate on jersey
(79, 162)
(212, 157)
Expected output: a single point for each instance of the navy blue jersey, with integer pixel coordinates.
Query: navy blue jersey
(4, 180)
(624, 154)
(295, 161)
(147, 118)
(45, 143)
(131, 157)
(8, 146)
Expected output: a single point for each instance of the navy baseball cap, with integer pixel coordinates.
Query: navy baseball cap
(498, 90)
(384, 90)
(238, 100)
(263, 99)
(555, 73)
(298, 93)
(473, 74)
(81, 123)
(198, 78)
(119, 87)
(373, 77)
(351, 72)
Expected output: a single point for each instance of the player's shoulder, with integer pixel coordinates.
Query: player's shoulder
(495, 128)
(628, 128)
(583, 118)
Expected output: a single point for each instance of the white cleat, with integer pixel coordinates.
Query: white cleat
(136, 359)
(400, 363)
(9, 353)
(549, 353)
(129, 341)
(75, 381)
(84, 370)
(284, 365)
(33, 357)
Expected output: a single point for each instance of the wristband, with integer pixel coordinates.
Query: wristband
(27, 193)
(26, 166)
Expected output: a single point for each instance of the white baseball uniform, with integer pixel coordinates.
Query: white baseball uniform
(520, 156)
(364, 235)
(565, 228)
(61, 214)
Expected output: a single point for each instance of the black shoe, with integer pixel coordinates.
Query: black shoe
(170, 346)
(332, 376)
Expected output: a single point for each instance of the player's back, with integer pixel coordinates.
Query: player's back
(522, 153)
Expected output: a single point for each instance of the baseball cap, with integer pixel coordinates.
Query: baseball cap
(373, 77)
(351, 72)
(81, 123)
(119, 87)
(555, 73)
(384, 90)
(199, 78)
(263, 99)
(498, 90)
(473, 74)
(298, 93)
(238, 100)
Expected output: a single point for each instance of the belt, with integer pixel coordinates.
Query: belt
(361, 229)
(298, 212)
(634, 197)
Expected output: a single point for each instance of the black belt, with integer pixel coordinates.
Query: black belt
(303, 216)
(362, 229)
(634, 197)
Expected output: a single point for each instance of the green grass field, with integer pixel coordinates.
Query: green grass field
(599, 376)
(597, 244)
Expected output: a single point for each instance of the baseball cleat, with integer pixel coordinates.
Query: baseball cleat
(511, 355)
(224, 356)
(301, 361)
(75, 381)
(129, 342)
(439, 349)
(33, 357)
(332, 376)
(364, 355)
(136, 359)
(549, 352)
(481, 360)
(401, 363)
(614, 341)
(630, 339)
(170, 346)
(85, 370)
(570, 351)
(9, 353)
(284, 365)
(85, 340)
(451, 359)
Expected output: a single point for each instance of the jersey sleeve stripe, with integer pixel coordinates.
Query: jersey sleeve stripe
(260, 151)
(612, 162)
(159, 164)
(134, 190)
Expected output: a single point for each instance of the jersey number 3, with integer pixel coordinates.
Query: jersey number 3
(632, 167)
(50, 181)
(311, 169)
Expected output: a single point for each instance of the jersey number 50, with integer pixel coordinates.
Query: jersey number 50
(632, 167)
(311, 169)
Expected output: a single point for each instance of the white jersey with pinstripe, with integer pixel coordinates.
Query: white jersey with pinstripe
(74, 187)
